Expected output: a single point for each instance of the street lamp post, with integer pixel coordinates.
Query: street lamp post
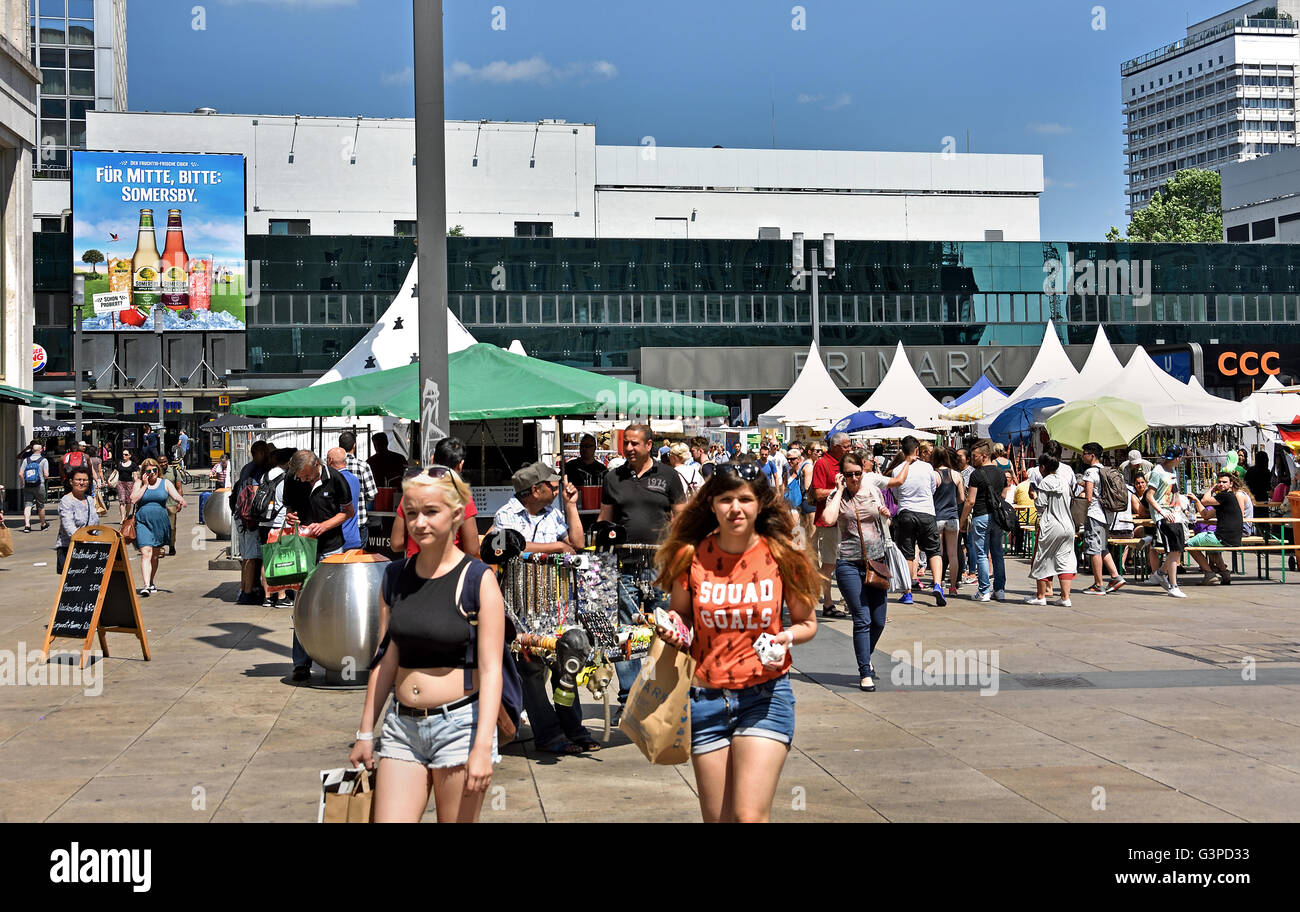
(78, 300)
(431, 231)
(800, 273)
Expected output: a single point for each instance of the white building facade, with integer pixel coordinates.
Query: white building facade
(1261, 199)
(18, 82)
(1225, 93)
(356, 176)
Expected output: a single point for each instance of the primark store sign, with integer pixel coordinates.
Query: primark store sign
(774, 369)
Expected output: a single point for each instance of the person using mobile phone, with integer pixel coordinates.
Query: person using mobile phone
(730, 562)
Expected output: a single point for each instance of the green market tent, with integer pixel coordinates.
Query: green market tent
(44, 401)
(486, 383)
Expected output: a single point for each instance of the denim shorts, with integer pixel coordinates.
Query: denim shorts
(948, 525)
(440, 740)
(763, 711)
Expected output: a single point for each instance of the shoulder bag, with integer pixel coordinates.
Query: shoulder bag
(128, 528)
(878, 575)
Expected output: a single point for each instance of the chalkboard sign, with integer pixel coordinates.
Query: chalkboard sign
(96, 593)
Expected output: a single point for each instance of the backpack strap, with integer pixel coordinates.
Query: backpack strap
(467, 602)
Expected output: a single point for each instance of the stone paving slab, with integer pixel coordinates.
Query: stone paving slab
(1166, 724)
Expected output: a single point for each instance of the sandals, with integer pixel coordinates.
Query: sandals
(588, 744)
(834, 612)
(562, 746)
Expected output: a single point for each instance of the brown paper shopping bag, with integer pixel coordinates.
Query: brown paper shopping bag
(657, 717)
(6, 542)
(348, 801)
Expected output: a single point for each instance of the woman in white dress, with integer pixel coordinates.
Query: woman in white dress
(1054, 548)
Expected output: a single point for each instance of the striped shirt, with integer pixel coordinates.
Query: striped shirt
(368, 489)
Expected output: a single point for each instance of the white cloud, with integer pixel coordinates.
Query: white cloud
(1063, 185)
(534, 69)
(1049, 129)
(401, 77)
(842, 100)
(805, 98)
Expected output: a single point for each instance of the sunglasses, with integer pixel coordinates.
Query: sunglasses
(432, 472)
(745, 471)
(852, 474)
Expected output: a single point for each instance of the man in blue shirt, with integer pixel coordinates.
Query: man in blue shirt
(547, 530)
(337, 460)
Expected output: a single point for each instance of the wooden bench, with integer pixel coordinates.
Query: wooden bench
(1249, 544)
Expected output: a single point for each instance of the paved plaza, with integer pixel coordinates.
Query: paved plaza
(1131, 707)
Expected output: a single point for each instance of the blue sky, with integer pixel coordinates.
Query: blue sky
(1022, 77)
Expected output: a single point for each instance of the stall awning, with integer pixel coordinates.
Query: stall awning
(486, 383)
(32, 399)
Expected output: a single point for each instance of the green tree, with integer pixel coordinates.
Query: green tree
(458, 231)
(1187, 209)
(92, 257)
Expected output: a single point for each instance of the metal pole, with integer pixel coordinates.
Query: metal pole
(158, 310)
(78, 300)
(817, 332)
(431, 232)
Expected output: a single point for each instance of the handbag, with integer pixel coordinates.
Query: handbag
(878, 575)
(657, 718)
(100, 507)
(128, 528)
(346, 796)
(900, 579)
(289, 560)
(6, 542)
(112, 479)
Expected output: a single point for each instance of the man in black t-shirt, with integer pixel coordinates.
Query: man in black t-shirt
(641, 495)
(320, 503)
(988, 483)
(586, 471)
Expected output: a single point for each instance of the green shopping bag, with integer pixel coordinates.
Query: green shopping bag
(289, 560)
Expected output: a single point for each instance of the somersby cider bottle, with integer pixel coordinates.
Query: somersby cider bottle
(146, 265)
(175, 265)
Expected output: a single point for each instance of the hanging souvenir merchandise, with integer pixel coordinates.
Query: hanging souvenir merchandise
(1205, 452)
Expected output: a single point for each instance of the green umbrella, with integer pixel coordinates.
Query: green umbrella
(1112, 423)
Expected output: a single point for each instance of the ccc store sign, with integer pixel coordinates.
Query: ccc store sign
(1249, 364)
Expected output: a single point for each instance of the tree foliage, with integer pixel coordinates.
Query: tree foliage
(91, 257)
(1187, 209)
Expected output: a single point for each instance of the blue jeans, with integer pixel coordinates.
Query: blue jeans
(631, 603)
(868, 607)
(987, 537)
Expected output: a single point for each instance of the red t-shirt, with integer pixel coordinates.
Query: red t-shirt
(734, 598)
(824, 472)
(412, 548)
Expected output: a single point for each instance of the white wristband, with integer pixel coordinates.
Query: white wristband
(365, 736)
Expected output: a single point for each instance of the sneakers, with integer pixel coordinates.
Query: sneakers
(906, 599)
(1094, 589)
(939, 598)
(1176, 592)
(984, 597)
(1163, 580)
(1225, 577)
(867, 685)
(143, 593)
(1035, 601)
(268, 602)
(1000, 596)
(1065, 603)
(1116, 585)
(1210, 578)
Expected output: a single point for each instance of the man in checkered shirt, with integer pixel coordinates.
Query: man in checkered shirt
(348, 441)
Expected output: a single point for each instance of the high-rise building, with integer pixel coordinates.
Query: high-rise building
(1225, 93)
(80, 47)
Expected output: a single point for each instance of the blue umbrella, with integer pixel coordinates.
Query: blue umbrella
(869, 421)
(1016, 421)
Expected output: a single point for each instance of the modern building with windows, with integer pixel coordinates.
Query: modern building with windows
(1261, 200)
(356, 176)
(80, 47)
(18, 80)
(1224, 93)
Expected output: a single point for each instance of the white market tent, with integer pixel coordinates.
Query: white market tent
(1051, 363)
(981, 399)
(1101, 368)
(1167, 401)
(814, 401)
(1272, 403)
(901, 392)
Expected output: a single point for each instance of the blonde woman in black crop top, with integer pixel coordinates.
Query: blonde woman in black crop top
(440, 733)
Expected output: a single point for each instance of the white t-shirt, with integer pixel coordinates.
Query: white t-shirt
(1093, 474)
(1063, 472)
(692, 480)
(917, 493)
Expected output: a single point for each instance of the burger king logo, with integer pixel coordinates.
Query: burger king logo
(39, 359)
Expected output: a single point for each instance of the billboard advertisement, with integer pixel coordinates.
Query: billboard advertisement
(164, 230)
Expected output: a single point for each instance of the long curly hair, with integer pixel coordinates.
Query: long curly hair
(774, 522)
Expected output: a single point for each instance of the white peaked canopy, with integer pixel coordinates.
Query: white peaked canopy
(1167, 401)
(1270, 404)
(901, 392)
(394, 340)
(1051, 363)
(813, 401)
(517, 348)
(1100, 369)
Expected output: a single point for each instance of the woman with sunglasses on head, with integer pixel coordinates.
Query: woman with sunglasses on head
(153, 525)
(730, 563)
(857, 507)
(441, 729)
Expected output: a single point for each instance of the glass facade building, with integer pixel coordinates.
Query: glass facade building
(596, 303)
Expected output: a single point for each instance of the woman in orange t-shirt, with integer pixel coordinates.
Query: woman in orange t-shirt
(730, 563)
